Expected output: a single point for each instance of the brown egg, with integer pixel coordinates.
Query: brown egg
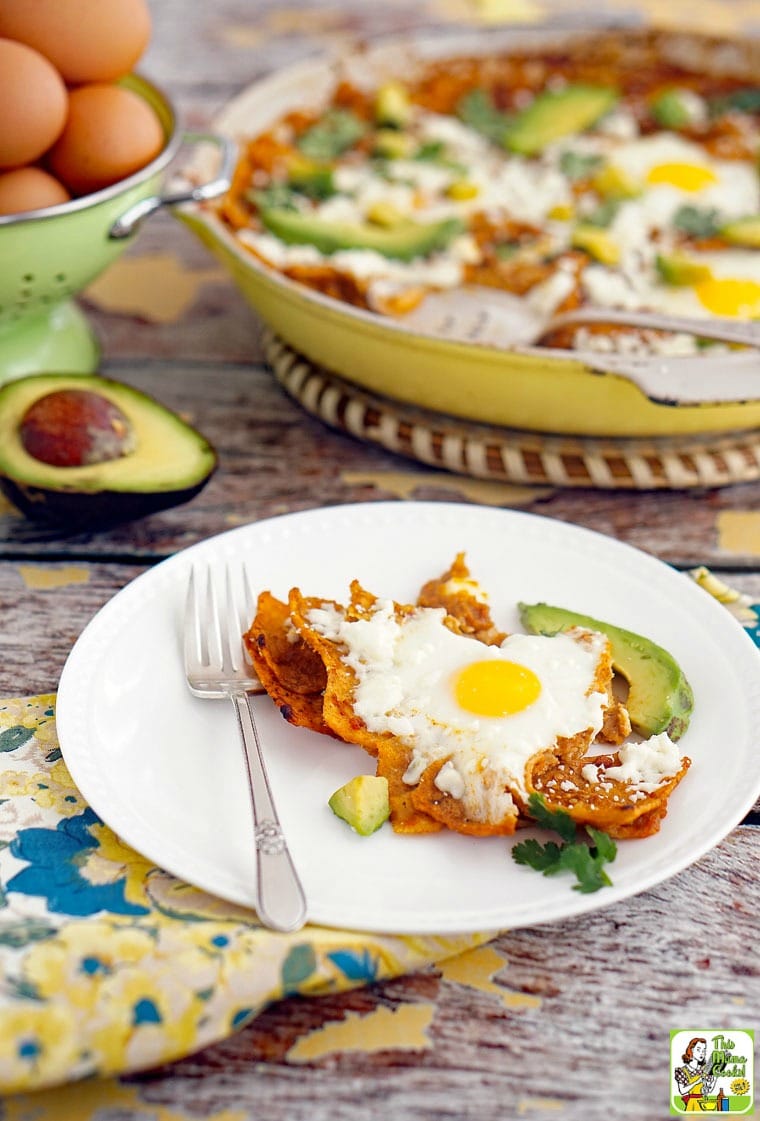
(29, 188)
(110, 133)
(87, 40)
(33, 103)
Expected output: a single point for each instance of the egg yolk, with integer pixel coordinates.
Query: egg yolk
(730, 297)
(684, 176)
(496, 688)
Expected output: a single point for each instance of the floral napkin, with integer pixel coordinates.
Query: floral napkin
(110, 965)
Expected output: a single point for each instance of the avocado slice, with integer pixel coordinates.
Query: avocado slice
(743, 231)
(404, 241)
(660, 698)
(554, 114)
(363, 803)
(84, 451)
(680, 271)
(597, 243)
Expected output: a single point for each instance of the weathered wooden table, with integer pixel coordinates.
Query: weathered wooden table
(568, 1020)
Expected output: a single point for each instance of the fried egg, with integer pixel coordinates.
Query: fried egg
(671, 172)
(729, 285)
(481, 709)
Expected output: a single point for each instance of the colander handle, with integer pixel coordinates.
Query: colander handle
(127, 224)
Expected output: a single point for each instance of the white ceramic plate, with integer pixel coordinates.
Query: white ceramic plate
(165, 770)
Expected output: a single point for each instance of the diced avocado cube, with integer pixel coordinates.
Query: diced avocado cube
(362, 803)
(613, 182)
(674, 108)
(680, 271)
(404, 241)
(311, 178)
(382, 213)
(660, 698)
(461, 190)
(393, 108)
(744, 232)
(597, 243)
(554, 114)
(390, 144)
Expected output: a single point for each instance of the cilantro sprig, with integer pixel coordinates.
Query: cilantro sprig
(335, 132)
(586, 861)
(477, 110)
(697, 221)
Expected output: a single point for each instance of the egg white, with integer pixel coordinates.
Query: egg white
(405, 670)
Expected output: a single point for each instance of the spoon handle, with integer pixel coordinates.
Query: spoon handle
(745, 332)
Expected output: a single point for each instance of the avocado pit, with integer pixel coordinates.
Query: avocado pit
(75, 428)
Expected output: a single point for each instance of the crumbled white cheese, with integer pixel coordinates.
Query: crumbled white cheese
(449, 780)
(590, 773)
(648, 764)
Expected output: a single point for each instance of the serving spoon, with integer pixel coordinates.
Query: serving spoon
(494, 318)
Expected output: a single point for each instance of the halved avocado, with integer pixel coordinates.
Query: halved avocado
(554, 114)
(83, 451)
(404, 241)
(660, 698)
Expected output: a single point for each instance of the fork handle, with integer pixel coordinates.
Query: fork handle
(280, 899)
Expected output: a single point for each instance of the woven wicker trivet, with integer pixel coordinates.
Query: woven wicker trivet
(509, 454)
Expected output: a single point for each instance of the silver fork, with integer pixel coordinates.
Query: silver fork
(217, 666)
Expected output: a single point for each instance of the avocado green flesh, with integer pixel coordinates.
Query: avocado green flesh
(403, 242)
(744, 232)
(660, 698)
(670, 110)
(680, 271)
(554, 114)
(170, 462)
(362, 803)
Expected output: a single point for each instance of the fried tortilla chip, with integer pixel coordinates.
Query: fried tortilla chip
(293, 676)
(495, 813)
(305, 665)
(464, 601)
(393, 760)
(337, 705)
(592, 797)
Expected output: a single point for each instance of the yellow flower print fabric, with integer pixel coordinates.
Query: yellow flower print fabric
(109, 964)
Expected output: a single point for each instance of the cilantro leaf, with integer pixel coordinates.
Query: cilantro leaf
(431, 150)
(604, 846)
(604, 214)
(557, 820)
(745, 100)
(336, 132)
(478, 111)
(544, 858)
(276, 195)
(696, 221)
(585, 861)
(579, 165)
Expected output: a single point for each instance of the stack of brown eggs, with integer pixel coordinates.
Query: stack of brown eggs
(68, 127)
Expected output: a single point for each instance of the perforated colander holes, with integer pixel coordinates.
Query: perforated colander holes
(54, 290)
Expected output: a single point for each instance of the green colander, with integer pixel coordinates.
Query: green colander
(48, 256)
